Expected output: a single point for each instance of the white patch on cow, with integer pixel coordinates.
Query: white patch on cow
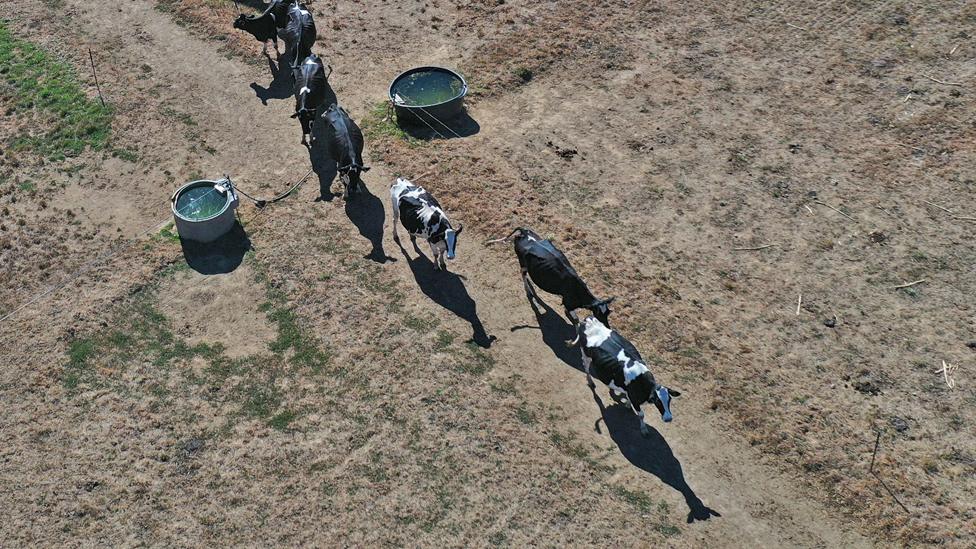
(632, 371)
(309, 62)
(304, 90)
(596, 333)
(617, 390)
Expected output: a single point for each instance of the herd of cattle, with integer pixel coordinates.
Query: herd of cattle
(615, 361)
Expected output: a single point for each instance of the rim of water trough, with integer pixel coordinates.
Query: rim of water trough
(462, 93)
(199, 183)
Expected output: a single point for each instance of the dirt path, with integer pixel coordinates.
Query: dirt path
(690, 464)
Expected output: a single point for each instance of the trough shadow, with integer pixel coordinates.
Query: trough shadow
(447, 290)
(221, 256)
(649, 453)
(366, 212)
(461, 125)
(556, 331)
(281, 86)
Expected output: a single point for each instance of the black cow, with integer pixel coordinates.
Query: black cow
(619, 366)
(423, 216)
(265, 27)
(550, 270)
(298, 33)
(346, 147)
(311, 83)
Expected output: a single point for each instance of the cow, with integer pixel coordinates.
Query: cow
(619, 366)
(548, 267)
(265, 27)
(346, 147)
(311, 83)
(423, 216)
(298, 33)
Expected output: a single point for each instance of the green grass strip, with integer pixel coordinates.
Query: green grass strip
(33, 80)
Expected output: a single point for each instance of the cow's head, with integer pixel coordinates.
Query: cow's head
(601, 310)
(450, 240)
(239, 22)
(662, 399)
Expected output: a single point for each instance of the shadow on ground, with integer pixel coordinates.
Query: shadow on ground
(281, 81)
(366, 212)
(447, 290)
(461, 125)
(556, 331)
(651, 454)
(221, 256)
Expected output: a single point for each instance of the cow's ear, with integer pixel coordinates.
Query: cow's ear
(294, 115)
(610, 300)
(673, 393)
(365, 168)
(459, 229)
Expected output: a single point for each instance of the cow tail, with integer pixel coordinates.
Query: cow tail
(579, 335)
(506, 239)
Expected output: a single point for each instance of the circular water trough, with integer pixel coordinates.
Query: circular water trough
(203, 210)
(428, 94)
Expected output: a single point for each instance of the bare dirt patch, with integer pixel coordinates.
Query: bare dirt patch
(697, 130)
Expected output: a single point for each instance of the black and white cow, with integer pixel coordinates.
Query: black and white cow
(549, 268)
(423, 216)
(311, 83)
(299, 33)
(265, 27)
(618, 365)
(346, 147)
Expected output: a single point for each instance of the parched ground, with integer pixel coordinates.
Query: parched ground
(331, 389)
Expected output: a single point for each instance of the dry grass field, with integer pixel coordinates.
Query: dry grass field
(757, 184)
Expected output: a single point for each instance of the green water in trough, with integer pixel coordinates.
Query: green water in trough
(428, 88)
(201, 202)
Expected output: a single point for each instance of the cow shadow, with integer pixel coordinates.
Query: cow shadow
(461, 125)
(282, 82)
(366, 212)
(556, 331)
(221, 256)
(649, 453)
(447, 290)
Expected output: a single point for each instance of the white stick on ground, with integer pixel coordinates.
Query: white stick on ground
(799, 301)
(941, 81)
(835, 209)
(900, 286)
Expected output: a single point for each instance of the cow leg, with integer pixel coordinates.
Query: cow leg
(643, 426)
(587, 362)
(575, 320)
(529, 290)
(413, 240)
(571, 314)
(304, 124)
(620, 394)
(436, 256)
(396, 217)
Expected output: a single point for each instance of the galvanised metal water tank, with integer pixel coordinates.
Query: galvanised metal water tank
(428, 95)
(203, 210)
